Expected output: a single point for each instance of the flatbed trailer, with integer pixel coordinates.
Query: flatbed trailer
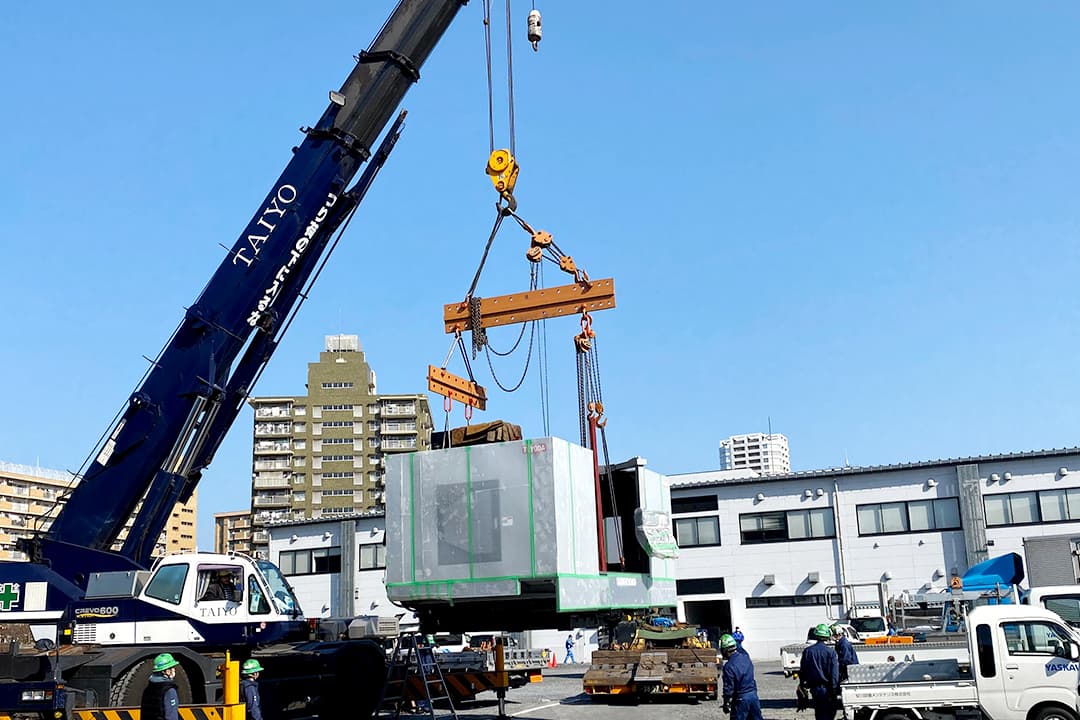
(693, 672)
(470, 672)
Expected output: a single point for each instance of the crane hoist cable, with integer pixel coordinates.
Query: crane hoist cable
(534, 37)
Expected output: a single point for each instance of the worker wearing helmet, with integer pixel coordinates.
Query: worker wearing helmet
(740, 688)
(249, 688)
(819, 674)
(845, 652)
(160, 700)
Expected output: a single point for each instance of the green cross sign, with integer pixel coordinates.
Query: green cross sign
(9, 596)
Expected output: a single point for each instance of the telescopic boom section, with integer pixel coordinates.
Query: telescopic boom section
(173, 423)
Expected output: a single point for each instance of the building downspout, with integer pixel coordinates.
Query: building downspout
(839, 535)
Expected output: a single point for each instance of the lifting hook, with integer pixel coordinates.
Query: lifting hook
(503, 170)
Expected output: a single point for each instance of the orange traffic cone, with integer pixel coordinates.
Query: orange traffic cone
(551, 660)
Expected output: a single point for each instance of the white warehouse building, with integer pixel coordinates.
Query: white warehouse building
(762, 553)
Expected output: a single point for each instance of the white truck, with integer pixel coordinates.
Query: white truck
(1061, 599)
(1025, 664)
(791, 655)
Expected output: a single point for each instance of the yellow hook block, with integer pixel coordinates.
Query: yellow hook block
(503, 169)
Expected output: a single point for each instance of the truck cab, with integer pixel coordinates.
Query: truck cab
(868, 625)
(1061, 599)
(1023, 661)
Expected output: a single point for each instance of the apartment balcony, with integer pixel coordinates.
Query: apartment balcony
(390, 444)
(273, 412)
(261, 538)
(284, 464)
(270, 483)
(398, 410)
(398, 427)
(270, 447)
(272, 500)
(273, 429)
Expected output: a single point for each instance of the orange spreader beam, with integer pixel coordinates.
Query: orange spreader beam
(457, 388)
(550, 302)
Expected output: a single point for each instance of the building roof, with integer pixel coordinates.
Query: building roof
(360, 515)
(710, 478)
(34, 471)
(231, 513)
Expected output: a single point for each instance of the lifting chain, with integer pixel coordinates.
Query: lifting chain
(479, 334)
(583, 340)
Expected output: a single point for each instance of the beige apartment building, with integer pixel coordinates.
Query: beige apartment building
(28, 498)
(321, 454)
(232, 532)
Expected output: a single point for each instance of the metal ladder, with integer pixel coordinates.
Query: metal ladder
(410, 658)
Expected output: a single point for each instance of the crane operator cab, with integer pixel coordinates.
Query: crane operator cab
(201, 598)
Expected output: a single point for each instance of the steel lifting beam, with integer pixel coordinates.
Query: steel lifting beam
(457, 388)
(540, 304)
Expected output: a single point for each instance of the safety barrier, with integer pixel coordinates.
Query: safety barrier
(230, 709)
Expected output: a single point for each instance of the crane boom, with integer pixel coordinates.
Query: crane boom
(175, 420)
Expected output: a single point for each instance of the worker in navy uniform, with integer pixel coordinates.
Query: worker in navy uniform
(249, 688)
(740, 688)
(819, 673)
(160, 700)
(845, 653)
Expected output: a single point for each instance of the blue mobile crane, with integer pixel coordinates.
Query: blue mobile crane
(112, 611)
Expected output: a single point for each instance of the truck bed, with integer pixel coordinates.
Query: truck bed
(926, 683)
(791, 655)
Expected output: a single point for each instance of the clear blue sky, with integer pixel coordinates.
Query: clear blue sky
(857, 219)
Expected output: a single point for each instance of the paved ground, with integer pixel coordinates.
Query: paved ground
(559, 697)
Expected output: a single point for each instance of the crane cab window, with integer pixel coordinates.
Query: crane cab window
(222, 583)
(257, 602)
(168, 583)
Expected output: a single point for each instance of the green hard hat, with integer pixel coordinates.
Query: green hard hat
(727, 642)
(823, 631)
(251, 666)
(164, 661)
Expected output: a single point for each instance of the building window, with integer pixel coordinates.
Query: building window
(1027, 508)
(783, 526)
(792, 600)
(700, 586)
(315, 561)
(691, 532)
(696, 503)
(336, 386)
(372, 557)
(911, 516)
